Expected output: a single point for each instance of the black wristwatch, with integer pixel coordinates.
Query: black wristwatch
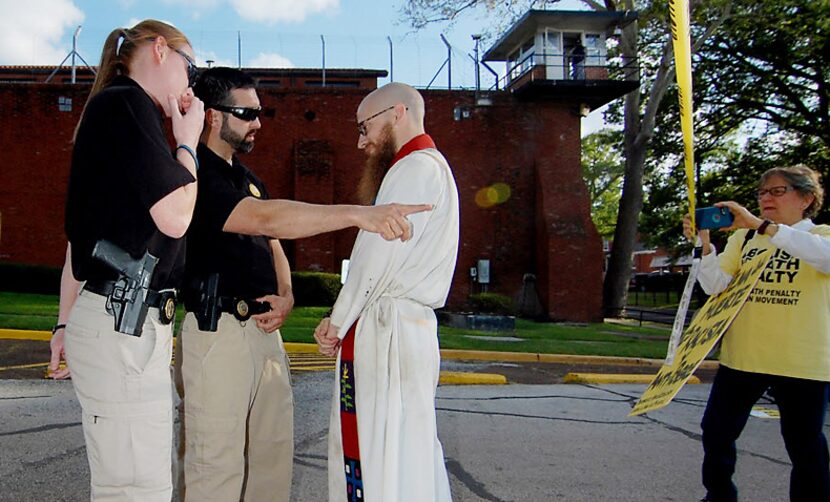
(763, 227)
(57, 327)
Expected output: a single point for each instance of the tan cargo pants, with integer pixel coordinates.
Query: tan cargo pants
(124, 388)
(238, 413)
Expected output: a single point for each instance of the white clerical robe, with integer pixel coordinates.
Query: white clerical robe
(393, 287)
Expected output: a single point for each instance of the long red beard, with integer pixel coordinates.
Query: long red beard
(376, 167)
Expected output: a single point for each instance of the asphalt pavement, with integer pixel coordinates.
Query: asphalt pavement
(502, 443)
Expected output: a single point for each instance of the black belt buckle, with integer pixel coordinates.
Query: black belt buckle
(167, 306)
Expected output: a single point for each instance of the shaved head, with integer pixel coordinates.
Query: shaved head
(392, 94)
(387, 119)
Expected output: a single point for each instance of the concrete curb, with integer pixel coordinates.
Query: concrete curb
(25, 334)
(462, 378)
(524, 357)
(475, 355)
(305, 348)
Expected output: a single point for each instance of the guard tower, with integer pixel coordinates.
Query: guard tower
(563, 55)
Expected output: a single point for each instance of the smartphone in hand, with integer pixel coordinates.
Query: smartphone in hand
(713, 217)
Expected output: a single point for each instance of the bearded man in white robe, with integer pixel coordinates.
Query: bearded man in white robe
(383, 439)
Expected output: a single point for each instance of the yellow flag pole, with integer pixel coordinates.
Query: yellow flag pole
(681, 40)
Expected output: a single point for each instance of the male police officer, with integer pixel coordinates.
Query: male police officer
(238, 408)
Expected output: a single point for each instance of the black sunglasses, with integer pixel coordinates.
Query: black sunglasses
(192, 70)
(240, 112)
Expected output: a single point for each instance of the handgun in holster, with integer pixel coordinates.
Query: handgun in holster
(126, 302)
(208, 312)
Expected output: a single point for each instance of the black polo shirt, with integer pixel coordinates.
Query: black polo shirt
(122, 165)
(244, 262)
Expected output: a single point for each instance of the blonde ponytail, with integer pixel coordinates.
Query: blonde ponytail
(119, 49)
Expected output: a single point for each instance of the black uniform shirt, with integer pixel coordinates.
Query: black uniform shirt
(244, 262)
(121, 166)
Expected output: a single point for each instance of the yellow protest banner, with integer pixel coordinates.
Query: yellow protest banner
(681, 41)
(710, 322)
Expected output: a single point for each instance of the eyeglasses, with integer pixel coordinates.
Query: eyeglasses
(192, 70)
(361, 126)
(774, 191)
(240, 112)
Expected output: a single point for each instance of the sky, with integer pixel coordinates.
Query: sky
(262, 33)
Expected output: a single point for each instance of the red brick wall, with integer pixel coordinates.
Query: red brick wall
(307, 151)
(35, 151)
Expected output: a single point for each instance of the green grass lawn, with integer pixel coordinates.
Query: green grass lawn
(28, 311)
(39, 312)
(564, 338)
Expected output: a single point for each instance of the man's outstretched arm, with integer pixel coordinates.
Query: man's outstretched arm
(286, 219)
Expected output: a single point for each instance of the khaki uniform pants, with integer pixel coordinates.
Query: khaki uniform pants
(124, 388)
(238, 413)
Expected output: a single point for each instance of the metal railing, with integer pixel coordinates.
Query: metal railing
(563, 66)
(662, 316)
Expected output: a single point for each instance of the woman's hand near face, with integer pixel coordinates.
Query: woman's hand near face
(185, 100)
(188, 116)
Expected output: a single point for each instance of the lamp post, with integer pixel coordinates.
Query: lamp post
(477, 38)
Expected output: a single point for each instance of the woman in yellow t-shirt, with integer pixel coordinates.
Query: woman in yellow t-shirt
(781, 337)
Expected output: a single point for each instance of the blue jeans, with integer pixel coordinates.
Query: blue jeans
(803, 406)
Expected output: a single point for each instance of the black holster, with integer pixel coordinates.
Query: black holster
(127, 301)
(206, 308)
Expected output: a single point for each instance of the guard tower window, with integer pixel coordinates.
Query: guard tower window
(552, 45)
(594, 52)
(527, 55)
(513, 65)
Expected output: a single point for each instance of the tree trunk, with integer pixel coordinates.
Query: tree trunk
(638, 132)
(615, 287)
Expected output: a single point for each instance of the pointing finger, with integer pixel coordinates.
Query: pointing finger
(407, 209)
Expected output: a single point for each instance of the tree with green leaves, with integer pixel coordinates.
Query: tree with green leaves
(771, 62)
(639, 111)
(602, 169)
(761, 87)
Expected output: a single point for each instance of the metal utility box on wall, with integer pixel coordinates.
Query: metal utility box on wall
(483, 270)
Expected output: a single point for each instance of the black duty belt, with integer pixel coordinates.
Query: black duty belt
(165, 300)
(241, 308)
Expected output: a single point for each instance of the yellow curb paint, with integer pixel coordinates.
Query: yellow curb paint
(763, 412)
(25, 334)
(23, 366)
(459, 378)
(480, 355)
(301, 347)
(614, 378)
